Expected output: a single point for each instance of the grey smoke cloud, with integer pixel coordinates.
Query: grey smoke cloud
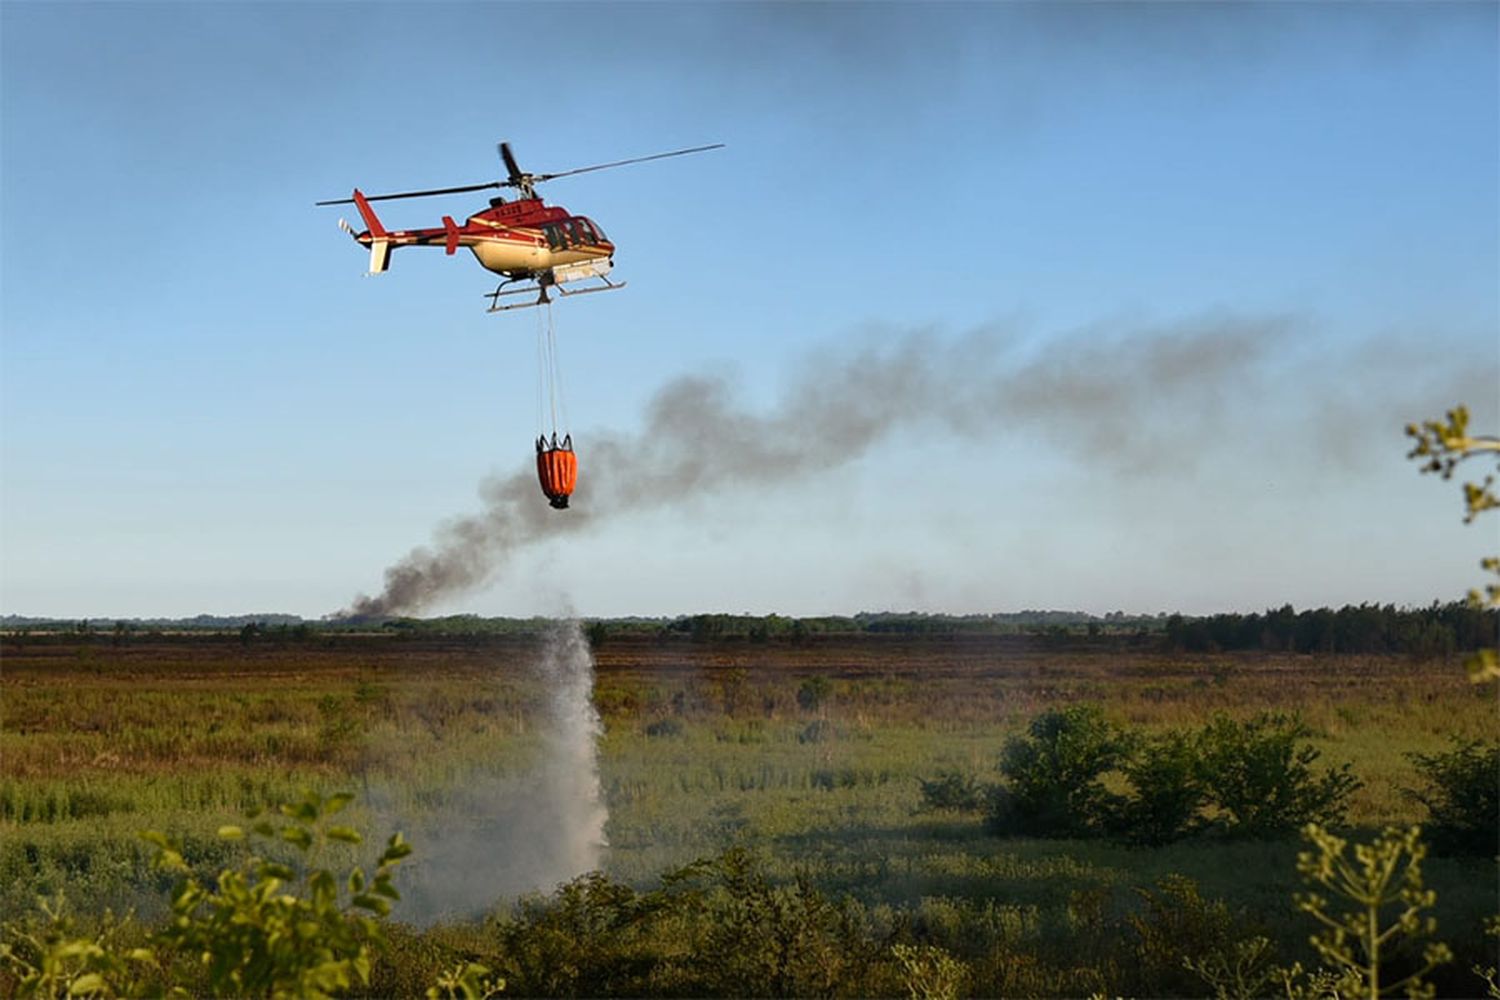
(1127, 401)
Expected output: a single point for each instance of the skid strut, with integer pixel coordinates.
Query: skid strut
(542, 297)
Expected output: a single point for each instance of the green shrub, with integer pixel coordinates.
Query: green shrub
(1258, 776)
(1052, 775)
(765, 940)
(1177, 934)
(813, 692)
(1168, 787)
(1463, 797)
(593, 937)
(953, 791)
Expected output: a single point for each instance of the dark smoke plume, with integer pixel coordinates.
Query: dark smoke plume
(1124, 401)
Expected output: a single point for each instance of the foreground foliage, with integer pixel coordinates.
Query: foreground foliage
(718, 927)
(268, 928)
(1382, 888)
(264, 928)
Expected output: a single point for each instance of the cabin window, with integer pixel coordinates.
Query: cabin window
(575, 234)
(599, 236)
(554, 236)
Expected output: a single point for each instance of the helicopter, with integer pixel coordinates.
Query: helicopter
(532, 245)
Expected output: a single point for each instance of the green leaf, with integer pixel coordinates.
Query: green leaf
(297, 835)
(231, 833)
(305, 811)
(372, 903)
(88, 983)
(347, 834)
(396, 849)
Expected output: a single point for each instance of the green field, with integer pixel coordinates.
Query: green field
(705, 748)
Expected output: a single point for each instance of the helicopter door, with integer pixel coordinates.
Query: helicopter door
(555, 239)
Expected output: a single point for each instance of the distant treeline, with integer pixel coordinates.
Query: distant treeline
(1366, 628)
(1435, 630)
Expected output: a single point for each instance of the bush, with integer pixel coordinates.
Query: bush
(953, 791)
(1462, 797)
(1258, 775)
(593, 937)
(1179, 939)
(1253, 778)
(761, 939)
(813, 692)
(1052, 775)
(1169, 792)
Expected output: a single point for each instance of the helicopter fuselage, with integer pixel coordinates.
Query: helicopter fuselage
(518, 239)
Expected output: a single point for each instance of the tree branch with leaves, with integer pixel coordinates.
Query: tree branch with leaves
(1442, 446)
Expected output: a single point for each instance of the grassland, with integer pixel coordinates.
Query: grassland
(705, 747)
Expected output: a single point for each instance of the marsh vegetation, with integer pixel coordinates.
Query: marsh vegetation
(834, 804)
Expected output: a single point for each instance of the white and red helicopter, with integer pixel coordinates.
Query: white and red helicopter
(529, 243)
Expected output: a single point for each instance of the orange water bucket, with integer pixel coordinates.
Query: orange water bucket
(557, 468)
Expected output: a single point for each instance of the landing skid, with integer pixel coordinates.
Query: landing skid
(542, 298)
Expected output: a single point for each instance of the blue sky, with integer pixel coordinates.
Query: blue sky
(204, 406)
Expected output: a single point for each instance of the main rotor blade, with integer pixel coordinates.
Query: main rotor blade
(416, 194)
(510, 163)
(518, 178)
(621, 163)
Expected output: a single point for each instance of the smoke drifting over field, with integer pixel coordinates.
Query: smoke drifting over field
(545, 825)
(1123, 401)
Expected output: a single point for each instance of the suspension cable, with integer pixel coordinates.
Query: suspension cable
(541, 377)
(559, 395)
